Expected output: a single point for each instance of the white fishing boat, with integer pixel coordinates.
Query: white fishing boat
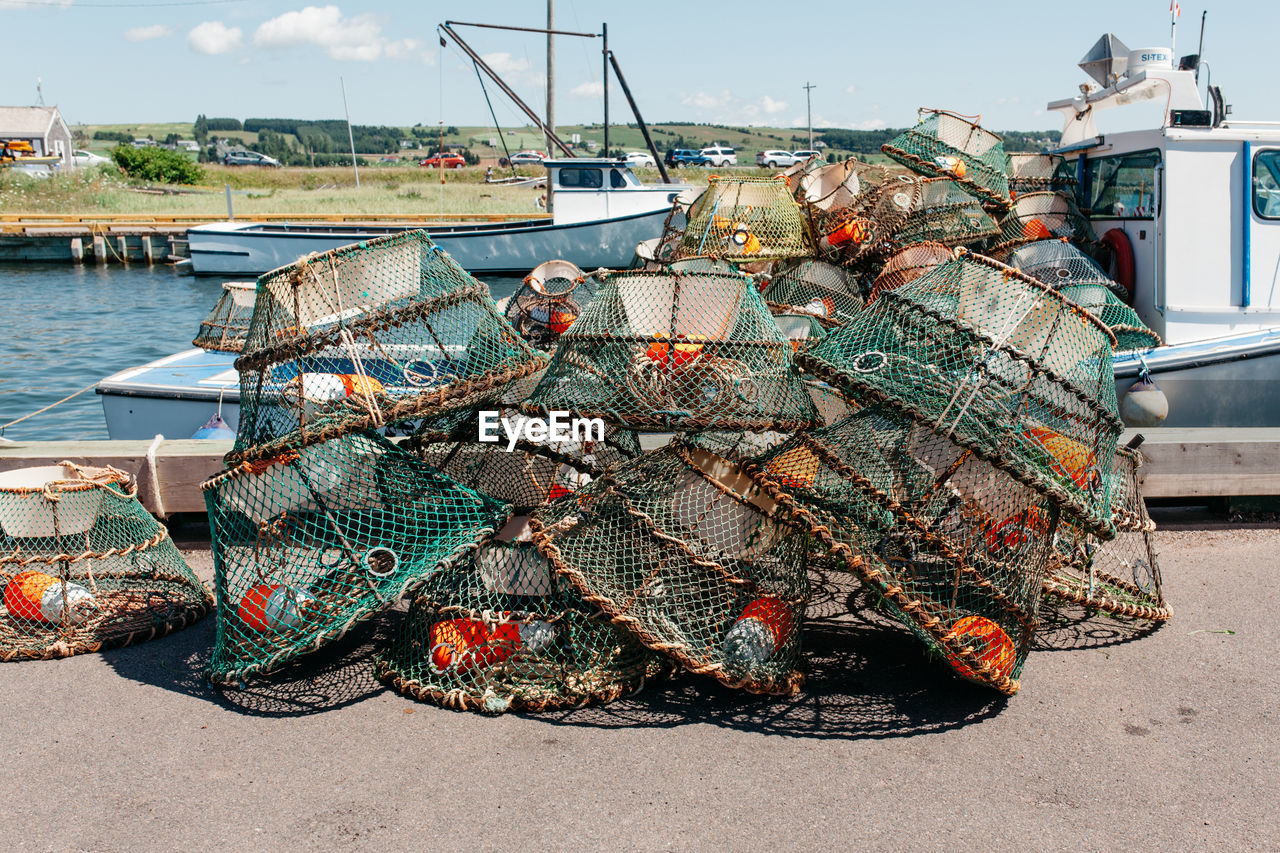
(601, 211)
(1191, 212)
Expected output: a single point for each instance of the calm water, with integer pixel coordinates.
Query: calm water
(65, 327)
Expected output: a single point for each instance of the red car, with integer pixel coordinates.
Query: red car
(447, 161)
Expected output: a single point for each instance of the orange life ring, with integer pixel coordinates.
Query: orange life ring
(1122, 252)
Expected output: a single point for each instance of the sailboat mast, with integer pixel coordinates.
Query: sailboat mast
(551, 91)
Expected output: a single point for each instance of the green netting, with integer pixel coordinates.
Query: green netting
(657, 351)
(855, 208)
(685, 553)
(825, 291)
(1078, 277)
(955, 546)
(942, 212)
(907, 265)
(83, 565)
(497, 632)
(801, 328)
(1029, 173)
(372, 333)
(309, 542)
(750, 219)
(548, 301)
(1120, 577)
(738, 445)
(841, 185)
(1042, 216)
(1000, 362)
(947, 145)
(226, 326)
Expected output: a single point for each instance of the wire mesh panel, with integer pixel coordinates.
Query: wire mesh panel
(1029, 173)
(84, 567)
(1042, 216)
(549, 299)
(311, 541)
(684, 552)
(956, 547)
(376, 332)
(822, 290)
(749, 219)
(657, 351)
(497, 632)
(947, 145)
(907, 265)
(995, 359)
(1120, 577)
(942, 212)
(227, 325)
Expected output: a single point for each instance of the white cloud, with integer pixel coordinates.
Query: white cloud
(19, 4)
(870, 124)
(155, 31)
(772, 107)
(590, 89)
(505, 63)
(726, 108)
(850, 89)
(214, 37)
(1014, 100)
(356, 39)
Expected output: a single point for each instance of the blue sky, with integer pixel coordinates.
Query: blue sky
(874, 63)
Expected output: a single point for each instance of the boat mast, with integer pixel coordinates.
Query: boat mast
(604, 81)
(551, 92)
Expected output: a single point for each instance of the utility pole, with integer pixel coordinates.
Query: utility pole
(808, 108)
(604, 81)
(551, 91)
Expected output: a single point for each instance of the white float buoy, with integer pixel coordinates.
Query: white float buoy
(1144, 404)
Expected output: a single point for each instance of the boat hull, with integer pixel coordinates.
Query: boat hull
(238, 249)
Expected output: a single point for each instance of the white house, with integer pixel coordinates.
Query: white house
(43, 127)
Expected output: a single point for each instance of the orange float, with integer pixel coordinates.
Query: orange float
(686, 351)
(272, 607)
(794, 469)
(560, 321)
(452, 642)
(23, 594)
(1017, 530)
(1071, 458)
(991, 645)
(356, 384)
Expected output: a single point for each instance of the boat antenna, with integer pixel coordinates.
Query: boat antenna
(1200, 50)
(1175, 12)
(494, 116)
(350, 136)
(39, 92)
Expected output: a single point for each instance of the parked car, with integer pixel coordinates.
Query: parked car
(720, 157)
(248, 158)
(523, 158)
(681, 157)
(447, 160)
(638, 158)
(88, 158)
(801, 156)
(775, 159)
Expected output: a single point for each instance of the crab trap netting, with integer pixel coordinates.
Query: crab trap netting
(955, 546)
(1042, 216)
(942, 212)
(1120, 577)
(908, 264)
(827, 292)
(855, 207)
(658, 351)
(1078, 277)
(548, 301)
(748, 219)
(309, 542)
(685, 553)
(226, 326)
(1000, 362)
(740, 445)
(496, 631)
(84, 566)
(1029, 173)
(947, 145)
(368, 334)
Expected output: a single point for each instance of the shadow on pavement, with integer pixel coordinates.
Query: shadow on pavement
(1072, 627)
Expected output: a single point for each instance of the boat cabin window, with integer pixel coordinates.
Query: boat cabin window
(1266, 184)
(1123, 187)
(587, 179)
(616, 179)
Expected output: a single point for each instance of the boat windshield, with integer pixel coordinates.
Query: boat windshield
(1266, 184)
(1123, 186)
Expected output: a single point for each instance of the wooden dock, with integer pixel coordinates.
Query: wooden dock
(1181, 463)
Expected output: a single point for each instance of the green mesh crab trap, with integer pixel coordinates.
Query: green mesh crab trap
(1078, 277)
(995, 359)
(827, 292)
(1120, 577)
(369, 334)
(311, 541)
(747, 219)
(948, 145)
(956, 547)
(740, 445)
(685, 553)
(659, 351)
(497, 632)
(908, 264)
(942, 212)
(1042, 216)
(84, 566)
(226, 326)
(852, 227)
(1029, 173)
(548, 301)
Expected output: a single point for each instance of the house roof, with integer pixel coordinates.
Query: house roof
(27, 121)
